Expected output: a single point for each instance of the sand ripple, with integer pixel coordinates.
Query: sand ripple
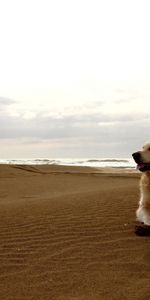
(71, 243)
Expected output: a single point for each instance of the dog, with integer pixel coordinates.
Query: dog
(142, 158)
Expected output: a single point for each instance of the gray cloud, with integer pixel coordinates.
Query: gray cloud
(6, 101)
(50, 126)
(87, 134)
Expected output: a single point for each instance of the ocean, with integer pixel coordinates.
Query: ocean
(126, 163)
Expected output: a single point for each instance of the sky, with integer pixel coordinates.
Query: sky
(74, 78)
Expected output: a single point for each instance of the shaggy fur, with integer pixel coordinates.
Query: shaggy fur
(142, 158)
(143, 211)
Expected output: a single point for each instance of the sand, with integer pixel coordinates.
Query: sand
(67, 233)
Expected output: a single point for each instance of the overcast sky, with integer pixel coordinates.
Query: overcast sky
(74, 78)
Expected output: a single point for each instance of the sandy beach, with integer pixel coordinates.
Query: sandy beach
(67, 233)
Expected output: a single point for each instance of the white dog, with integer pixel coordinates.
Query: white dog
(142, 158)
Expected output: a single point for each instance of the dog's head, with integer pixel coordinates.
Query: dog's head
(142, 158)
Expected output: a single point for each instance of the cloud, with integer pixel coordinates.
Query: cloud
(6, 101)
(69, 125)
(78, 133)
(6, 105)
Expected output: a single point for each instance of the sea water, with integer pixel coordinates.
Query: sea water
(97, 162)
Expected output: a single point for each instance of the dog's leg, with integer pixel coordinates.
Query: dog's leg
(143, 212)
(143, 215)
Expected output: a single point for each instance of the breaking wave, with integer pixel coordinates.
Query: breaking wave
(98, 163)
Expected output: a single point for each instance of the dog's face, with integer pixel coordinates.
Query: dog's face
(142, 157)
